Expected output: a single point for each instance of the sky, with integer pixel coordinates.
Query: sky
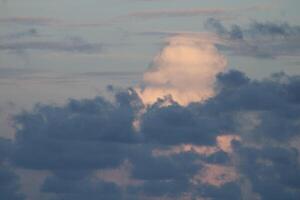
(149, 99)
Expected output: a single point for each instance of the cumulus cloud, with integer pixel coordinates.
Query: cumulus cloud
(201, 150)
(259, 39)
(220, 135)
(185, 69)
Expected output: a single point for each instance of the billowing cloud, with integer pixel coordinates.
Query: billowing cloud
(207, 149)
(204, 133)
(185, 69)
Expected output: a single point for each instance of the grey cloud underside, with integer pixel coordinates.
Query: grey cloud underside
(261, 40)
(81, 189)
(9, 181)
(78, 139)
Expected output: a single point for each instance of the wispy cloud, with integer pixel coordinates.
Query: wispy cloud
(51, 22)
(178, 13)
(73, 44)
(42, 21)
(190, 12)
(259, 39)
(18, 35)
(15, 72)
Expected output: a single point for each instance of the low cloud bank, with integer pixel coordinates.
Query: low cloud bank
(237, 138)
(258, 159)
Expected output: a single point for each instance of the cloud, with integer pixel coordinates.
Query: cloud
(71, 45)
(89, 135)
(238, 142)
(80, 189)
(41, 21)
(78, 139)
(178, 13)
(185, 125)
(229, 191)
(15, 72)
(101, 119)
(51, 22)
(18, 35)
(185, 69)
(256, 29)
(190, 12)
(9, 181)
(261, 40)
(272, 170)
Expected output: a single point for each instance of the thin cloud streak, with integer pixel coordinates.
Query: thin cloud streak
(221, 13)
(72, 46)
(190, 12)
(260, 39)
(178, 13)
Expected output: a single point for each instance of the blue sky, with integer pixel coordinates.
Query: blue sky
(211, 63)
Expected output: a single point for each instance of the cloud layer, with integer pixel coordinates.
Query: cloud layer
(203, 133)
(240, 143)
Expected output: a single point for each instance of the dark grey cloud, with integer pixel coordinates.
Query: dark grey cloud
(255, 29)
(176, 167)
(9, 184)
(5, 149)
(67, 189)
(273, 171)
(229, 191)
(161, 188)
(261, 40)
(76, 140)
(81, 129)
(177, 125)
(9, 181)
